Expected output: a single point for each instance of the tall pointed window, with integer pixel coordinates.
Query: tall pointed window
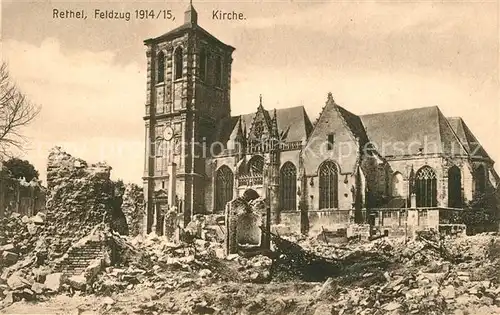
(328, 186)
(426, 187)
(454, 187)
(288, 186)
(218, 71)
(479, 180)
(160, 77)
(203, 65)
(256, 166)
(397, 185)
(178, 63)
(330, 141)
(223, 187)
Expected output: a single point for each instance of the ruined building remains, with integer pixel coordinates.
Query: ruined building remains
(19, 196)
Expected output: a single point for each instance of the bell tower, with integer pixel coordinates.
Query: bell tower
(188, 94)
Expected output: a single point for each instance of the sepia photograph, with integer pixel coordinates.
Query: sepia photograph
(249, 157)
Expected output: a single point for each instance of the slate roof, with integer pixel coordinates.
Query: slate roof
(404, 132)
(466, 137)
(293, 120)
(354, 123)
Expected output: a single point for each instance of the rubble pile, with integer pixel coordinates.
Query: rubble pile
(431, 275)
(19, 236)
(80, 197)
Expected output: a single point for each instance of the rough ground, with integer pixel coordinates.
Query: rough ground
(426, 276)
(429, 275)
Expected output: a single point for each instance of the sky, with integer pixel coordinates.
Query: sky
(89, 76)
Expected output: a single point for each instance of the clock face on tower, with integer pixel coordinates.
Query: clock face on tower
(168, 133)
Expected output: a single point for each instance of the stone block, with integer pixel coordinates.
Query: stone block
(9, 258)
(54, 281)
(78, 282)
(17, 282)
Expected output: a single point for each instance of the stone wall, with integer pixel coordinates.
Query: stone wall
(80, 197)
(19, 196)
(133, 208)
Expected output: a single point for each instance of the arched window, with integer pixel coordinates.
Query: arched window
(328, 186)
(397, 185)
(288, 186)
(223, 187)
(160, 77)
(218, 71)
(203, 65)
(479, 180)
(178, 59)
(426, 187)
(256, 165)
(454, 187)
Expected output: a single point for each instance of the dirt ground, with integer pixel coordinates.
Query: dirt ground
(273, 298)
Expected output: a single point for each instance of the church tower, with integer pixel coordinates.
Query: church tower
(188, 94)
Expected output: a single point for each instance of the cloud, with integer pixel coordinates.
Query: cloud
(90, 103)
(367, 18)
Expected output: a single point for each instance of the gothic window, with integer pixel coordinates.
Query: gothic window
(218, 71)
(203, 65)
(479, 180)
(159, 148)
(328, 186)
(288, 186)
(177, 145)
(258, 129)
(178, 59)
(159, 151)
(223, 187)
(397, 185)
(454, 187)
(330, 141)
(426, 187)
(256, 166)
(161, 68)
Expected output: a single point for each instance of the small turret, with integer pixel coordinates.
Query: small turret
(190, 15)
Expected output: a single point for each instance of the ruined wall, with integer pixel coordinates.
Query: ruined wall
(80, 197)
(19, 196)
(133, 208)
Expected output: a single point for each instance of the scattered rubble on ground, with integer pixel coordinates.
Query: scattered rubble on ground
(430, 275)
(78, 257)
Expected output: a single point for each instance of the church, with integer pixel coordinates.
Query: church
(198, 157)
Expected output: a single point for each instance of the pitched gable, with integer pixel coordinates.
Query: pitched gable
(261, 124)
(344, 129)
(292, 122)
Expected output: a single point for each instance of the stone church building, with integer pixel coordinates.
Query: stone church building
(198, 157)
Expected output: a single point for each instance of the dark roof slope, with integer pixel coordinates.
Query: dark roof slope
(354, 123)
(466, 137)
(405, 132)
(294, 121)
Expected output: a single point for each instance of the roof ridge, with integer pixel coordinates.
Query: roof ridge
(401, 110)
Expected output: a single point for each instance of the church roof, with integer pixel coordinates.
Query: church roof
(471, 144)
(405, 132)
(354, 123)
(293, 121)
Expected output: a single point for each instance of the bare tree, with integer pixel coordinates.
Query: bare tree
(16, 112)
